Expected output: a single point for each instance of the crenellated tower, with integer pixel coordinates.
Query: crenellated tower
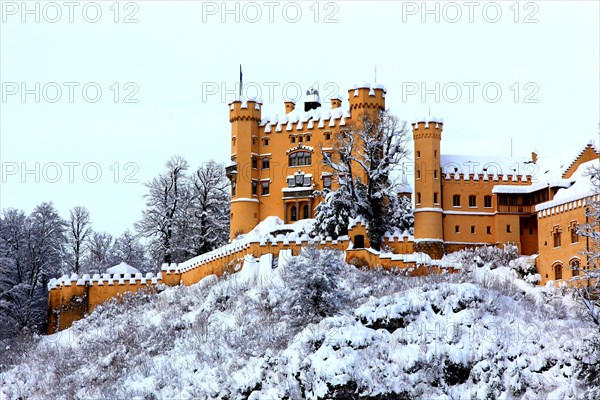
(245, 117)
(366, 97)
(429, 230)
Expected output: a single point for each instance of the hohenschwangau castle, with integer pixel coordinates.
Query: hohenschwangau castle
(460, 201)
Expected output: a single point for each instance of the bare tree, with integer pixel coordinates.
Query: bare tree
(365, 154)
(127, 248)
(99, 245)
(587, 284)
(32, 249)
(209, 209)
(77, 234)
(165, 204)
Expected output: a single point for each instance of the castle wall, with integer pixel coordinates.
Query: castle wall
(561, 218)
(71, 298)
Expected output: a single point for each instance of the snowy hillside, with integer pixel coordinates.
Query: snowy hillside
(314, 327)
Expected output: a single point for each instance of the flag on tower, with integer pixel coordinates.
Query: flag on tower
(241, 80)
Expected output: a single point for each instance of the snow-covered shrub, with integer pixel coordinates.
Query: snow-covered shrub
(485, 334)
(489, 256)
(312, 281)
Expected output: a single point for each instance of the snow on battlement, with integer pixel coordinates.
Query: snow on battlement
(104, 279)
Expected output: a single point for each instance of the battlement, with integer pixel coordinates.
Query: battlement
(367, 96)
(306, 121)
(520, 179)
(104, 279)
(245, 109)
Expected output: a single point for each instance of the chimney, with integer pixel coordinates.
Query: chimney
(290, 105)
(336, 101)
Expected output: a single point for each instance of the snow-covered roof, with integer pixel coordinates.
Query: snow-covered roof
(318, 115)
(122, 268)
(581, 188)
(487, 165)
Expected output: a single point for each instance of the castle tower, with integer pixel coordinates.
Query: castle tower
(429, 231)
(245, 117)
(366, 98)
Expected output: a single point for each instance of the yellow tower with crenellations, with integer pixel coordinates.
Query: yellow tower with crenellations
(429, 230)
(245, 117)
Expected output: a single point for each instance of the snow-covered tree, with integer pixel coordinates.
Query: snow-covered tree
(402, 214)
(208, 212)
(312, 281)
(365, 153)
(334, 212)
(127, 248)
(32, 249)
(79, 229)
(166, 203)
(588, 289)
(99, 256)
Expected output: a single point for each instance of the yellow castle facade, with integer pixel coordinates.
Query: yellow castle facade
(460, 201)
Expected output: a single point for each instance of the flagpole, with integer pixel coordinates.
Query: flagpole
(240, 81)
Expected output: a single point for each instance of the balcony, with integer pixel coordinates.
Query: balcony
(231, 170)
(516, 209)
(297, 192)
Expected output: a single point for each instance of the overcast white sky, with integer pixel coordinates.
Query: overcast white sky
(180, 58)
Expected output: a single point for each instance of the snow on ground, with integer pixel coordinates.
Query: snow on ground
(482, 333)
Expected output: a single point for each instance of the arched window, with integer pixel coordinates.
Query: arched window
(299, 158)
(305, 213)
(575, 267)
(294, 213)
(558, 271)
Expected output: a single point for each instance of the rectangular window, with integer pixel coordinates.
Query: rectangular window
(254, 163)
(435, 154)
(327, 136)
(293, 139)
(254, 188)
(299, 180)
(418, 154)
(327, 182)
(557, 241)
(266, 163)
(419, 198)
(508, 229)
(435, 173)
(472, 229)
(233, 187)
(435, 198)
(489, 230)
(308, 138)
(487, 201)
(266, 142)
(472, 201)
(265, 188)
(418, 174)
(456, 200)
(456, 229)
